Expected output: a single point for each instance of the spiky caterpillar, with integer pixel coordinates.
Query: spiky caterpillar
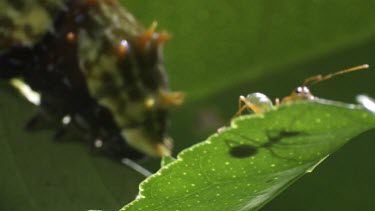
(96, 68)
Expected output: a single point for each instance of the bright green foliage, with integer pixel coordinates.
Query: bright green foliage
(249, 163)
(167, 160)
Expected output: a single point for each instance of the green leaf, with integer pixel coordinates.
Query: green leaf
(258, 156)
(167, 160)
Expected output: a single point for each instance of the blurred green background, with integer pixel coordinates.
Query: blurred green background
(220, 49)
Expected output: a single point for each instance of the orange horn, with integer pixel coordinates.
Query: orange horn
(168, 99)
(148, 34)
(163, 38)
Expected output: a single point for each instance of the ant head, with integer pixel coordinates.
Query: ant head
(300, 93)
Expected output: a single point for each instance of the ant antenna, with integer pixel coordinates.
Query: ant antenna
(319, 78)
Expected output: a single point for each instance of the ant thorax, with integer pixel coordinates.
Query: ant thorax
(300, 93)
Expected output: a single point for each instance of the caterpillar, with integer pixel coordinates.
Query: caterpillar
(93, 68)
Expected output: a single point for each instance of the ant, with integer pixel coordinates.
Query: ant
(258, 102)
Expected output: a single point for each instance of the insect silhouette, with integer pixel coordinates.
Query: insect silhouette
(252, 147)
(89, 65)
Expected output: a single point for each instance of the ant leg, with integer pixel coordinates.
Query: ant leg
(241, 107)
(243, 104)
